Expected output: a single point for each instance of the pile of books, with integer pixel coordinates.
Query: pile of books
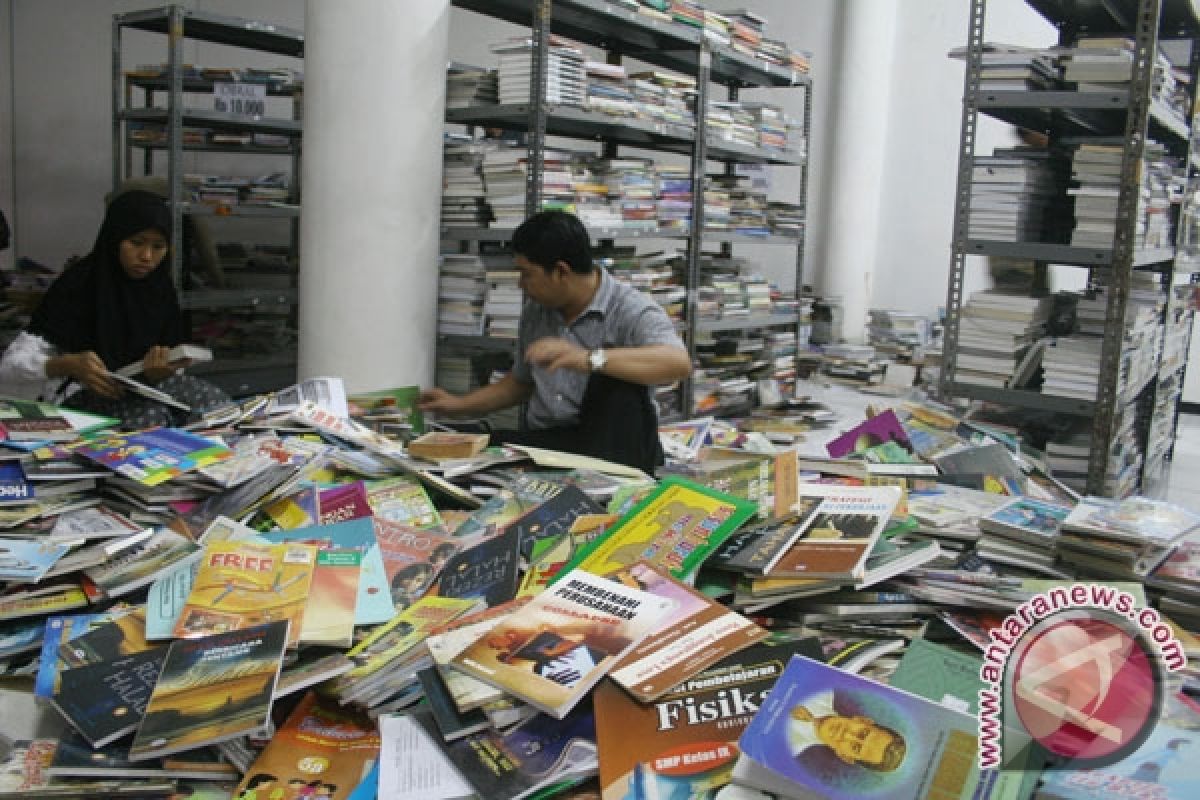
(1010, 193)
(468, 86)
(608, 89)
(566, 78)
(898, 333)
(464, 197)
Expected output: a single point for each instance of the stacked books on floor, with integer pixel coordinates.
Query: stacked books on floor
(411, 608)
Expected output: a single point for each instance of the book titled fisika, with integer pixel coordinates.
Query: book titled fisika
(564, 640)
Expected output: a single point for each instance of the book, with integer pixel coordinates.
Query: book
(212, 689)
(688, 736)
(241, 585)
(137, 566)
(402, 500)
(823, 732)
(841, 534)
(451, 722)
(42, 600)
(149, 392)
(329, 608)
(411, 766)
(121, 636)
(874, 431)
(564, 640)
(693, 635)
(154, 456)
(447, 641)
(529, 756)
(552, 518)
(75, 758)
(28, 560)
(677, 526)
(320, 743)
(1026, 519)
(29, 421)
(191, 353)
(413, 558)
(107, 700)
(343, 503)
(374, 602)
(489, 571)
(443, 445)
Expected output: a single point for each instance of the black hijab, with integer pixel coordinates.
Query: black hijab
(94, 305)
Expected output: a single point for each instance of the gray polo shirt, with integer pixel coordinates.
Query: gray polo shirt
(618, 316)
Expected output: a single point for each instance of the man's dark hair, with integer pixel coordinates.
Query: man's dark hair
(551, 236)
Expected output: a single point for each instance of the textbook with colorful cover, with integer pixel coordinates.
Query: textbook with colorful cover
(447, 641)
(241, 584)
(686, 740)
(696, 633)
(489, 571)
(212, 689)
(154, 456)
(320, 740)
(827, 733)
(676, 527)
(553, 518)
(343, 503)
(841, 534)
(566, 639)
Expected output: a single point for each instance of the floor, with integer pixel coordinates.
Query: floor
(1183, 484)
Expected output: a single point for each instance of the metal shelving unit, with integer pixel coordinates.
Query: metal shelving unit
(624, 33)
(179, 24)
(1124, 118)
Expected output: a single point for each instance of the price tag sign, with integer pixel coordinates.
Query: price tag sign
(242, 99)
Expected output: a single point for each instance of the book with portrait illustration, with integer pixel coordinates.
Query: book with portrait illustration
(447, 641)
(686, 739)
(676, 527)
(566, 639)
(413, 557)
(212, 689)
(838, 538)
(696, 633)
(823, 732)
(243, 584)
(319, 740)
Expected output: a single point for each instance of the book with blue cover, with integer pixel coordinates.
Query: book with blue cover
(823, 732)
(374, 603)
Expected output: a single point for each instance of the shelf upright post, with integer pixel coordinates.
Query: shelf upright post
(539, 68)
(802, 234)
(175, 138)
(1109, 390)
(117, 127)
(696, 229)
(962, 195)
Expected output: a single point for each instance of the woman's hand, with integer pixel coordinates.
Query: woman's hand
(87, 369)
(155, 366)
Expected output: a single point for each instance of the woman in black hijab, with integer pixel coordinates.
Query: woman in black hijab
(117, 306)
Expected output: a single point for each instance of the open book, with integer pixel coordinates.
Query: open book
(181, 352)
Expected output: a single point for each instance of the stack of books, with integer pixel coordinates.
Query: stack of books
(608, 89)
(664, 97)
(1010, 192)
(674, 198)
(731, 122)
(1099, 64)
(1018, 69)
(897, 332)
(504, 172)
(1023, 532)
(566, 79)
(462, 285)
(996, 330)
(464, 197)
(468, 86)
(1124, 539)
(502, 306)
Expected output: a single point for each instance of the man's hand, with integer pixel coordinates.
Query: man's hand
(554, 354)
(440, 401)
(88, 369)
(155, 366)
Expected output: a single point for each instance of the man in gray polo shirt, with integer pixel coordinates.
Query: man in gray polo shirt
(588, 350)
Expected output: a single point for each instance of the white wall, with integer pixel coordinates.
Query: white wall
(921, 163)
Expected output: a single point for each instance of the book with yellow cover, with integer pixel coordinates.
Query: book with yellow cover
(242, 584)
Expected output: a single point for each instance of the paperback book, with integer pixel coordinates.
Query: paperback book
(676, 527)
(212, 689)
(105, 701)
(564, 640)
(489, 571)
(413, 557)
(824, 732)
(328, 617)
(154, 456)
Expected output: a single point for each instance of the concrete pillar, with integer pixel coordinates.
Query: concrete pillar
(374, 103)
(865, 40)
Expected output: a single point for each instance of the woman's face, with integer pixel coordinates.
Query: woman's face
(142, 253)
